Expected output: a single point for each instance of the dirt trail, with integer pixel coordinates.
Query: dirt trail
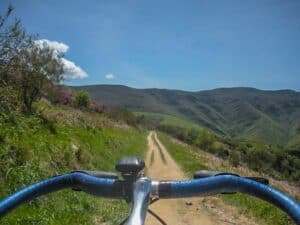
(174, 211)
(192, 211)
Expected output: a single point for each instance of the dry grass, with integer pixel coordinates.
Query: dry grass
(72, 116)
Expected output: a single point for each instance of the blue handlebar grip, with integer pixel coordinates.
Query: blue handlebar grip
(229, 184)
(97, 186)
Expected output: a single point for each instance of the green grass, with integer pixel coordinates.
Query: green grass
(191, 161)
(259, 209)
(32, 148)
(183, 155)
(164, 119)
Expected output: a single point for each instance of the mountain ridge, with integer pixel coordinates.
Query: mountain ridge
(272, 116)
(170, 89)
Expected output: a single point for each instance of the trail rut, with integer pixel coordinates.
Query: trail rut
(161, 166)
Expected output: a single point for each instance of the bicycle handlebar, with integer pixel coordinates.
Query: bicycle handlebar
(77, 180)
(228, 184)
(113, 188)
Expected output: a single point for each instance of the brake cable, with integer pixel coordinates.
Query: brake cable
(157, 217)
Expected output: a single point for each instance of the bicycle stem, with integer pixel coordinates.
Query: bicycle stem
(140, 200)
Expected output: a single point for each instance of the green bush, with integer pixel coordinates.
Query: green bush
(82, 99)
(235, 158)
(9, 101)
(275, 161)
(204, 140)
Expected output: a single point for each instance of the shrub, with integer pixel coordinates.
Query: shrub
(121, 115)
(276, 161)
(59, 95)
(260, 159)
(9, 101)
(82, 99)
(204, 140)
(65, 96)
(192, 135)
(235, 158)
(95, 106)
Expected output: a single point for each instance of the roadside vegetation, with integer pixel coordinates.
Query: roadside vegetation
(191, 160)
(34, 147)
(279, 163)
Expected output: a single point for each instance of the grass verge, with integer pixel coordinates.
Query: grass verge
(192, 161)
(33, 148)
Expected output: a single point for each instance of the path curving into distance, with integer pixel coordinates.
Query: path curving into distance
(161, 166)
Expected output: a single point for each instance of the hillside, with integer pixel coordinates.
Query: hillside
(269, 116)
(153, 120)
(55, 141)
(192, 158)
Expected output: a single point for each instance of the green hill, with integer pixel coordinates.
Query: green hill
(269, 116)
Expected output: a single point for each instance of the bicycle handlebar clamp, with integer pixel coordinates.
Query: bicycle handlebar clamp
(140, 200)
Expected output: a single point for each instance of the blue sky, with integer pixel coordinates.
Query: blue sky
(190, 45)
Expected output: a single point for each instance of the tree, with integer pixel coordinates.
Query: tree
(24, 65)
(38, 67)
(12, 39)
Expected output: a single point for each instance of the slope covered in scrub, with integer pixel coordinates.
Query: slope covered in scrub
(56, 141)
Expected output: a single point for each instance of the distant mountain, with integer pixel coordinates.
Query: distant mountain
(270, 116)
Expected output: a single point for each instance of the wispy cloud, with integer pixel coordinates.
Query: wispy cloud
(109, 76)
(71, 70)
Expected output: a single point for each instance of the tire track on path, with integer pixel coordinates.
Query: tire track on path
(172, 211)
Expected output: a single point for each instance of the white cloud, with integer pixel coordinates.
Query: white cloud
(58, 47)
(109, 76)
(71, 70)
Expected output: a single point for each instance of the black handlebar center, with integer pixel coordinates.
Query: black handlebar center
(130, 165)
(130, 168)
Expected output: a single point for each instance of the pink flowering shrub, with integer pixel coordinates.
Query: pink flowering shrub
(97, 107)
(65, 96)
